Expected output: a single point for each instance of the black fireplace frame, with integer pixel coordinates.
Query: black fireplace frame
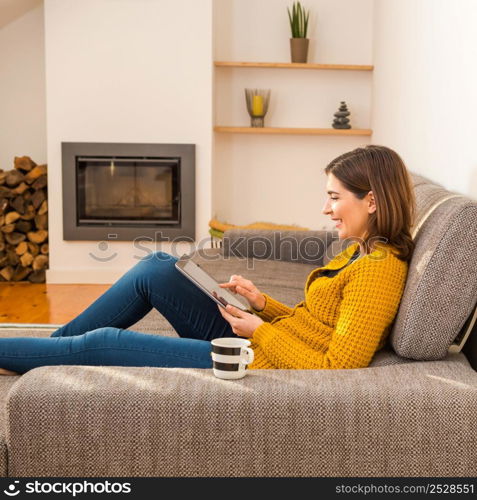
(184, 230)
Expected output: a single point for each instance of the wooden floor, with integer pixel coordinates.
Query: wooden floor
(42, 303)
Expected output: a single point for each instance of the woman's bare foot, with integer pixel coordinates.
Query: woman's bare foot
(4, 371)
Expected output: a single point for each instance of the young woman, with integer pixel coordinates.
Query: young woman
(348, 309)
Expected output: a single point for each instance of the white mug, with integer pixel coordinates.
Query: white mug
(230, 357)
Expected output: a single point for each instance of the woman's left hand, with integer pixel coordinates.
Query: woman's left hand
(243, 323)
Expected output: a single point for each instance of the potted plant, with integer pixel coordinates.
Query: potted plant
(299, 25)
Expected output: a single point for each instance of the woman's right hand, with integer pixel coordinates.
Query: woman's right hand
(238, 284)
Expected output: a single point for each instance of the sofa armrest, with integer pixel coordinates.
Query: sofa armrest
(306, 247)
(127, 421)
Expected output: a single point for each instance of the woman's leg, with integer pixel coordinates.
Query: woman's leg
(106, 347)
(153, 282)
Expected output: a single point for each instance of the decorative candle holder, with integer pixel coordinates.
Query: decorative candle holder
(257, 105)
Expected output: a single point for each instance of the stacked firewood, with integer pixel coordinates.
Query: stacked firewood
(23, 222)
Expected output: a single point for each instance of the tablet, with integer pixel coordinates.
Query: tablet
(209, 285)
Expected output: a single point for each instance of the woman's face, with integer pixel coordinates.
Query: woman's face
(349, 213)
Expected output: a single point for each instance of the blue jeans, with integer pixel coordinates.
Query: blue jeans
(98, 336)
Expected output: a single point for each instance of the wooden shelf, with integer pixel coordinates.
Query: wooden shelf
(352, 67)
(291, 131)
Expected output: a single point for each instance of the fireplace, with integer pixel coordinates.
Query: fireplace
(126, 192)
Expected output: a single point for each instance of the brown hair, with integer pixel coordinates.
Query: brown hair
(381, 170)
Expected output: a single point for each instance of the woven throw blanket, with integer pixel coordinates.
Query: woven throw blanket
(218, 228)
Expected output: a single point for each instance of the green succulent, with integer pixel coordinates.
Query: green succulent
(298, 20)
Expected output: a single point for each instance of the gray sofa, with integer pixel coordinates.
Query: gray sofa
(411, 413)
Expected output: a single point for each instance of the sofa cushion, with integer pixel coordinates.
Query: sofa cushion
(412, 419)
(429, 195)
(6, 383)
(306, 247)
(441, 288)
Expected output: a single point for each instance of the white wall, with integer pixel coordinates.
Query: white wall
(425, 81)
(280, 178)
(125, 71)
(22, 89)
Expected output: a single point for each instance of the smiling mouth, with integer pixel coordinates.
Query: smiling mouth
(338, 222)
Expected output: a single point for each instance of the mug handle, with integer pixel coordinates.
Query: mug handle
(250, 355)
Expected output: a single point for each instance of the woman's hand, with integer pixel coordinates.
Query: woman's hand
(238, 284)
(243, 323)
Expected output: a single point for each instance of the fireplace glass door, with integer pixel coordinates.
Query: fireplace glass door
(118, 190)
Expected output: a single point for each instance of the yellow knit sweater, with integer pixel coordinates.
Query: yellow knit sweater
(343, 320)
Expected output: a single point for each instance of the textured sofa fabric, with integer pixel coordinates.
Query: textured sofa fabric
(6, 383)
(429, 195)
(393, 420)
(441, 288)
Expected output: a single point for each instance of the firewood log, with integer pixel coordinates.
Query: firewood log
(23, 226)
(21, 188)
(38, 198)
(38, 171)
(29, 213)
(7, 228)
(37, 276)
(22, 248)
(15, 238)
(40, 262)
(13, 178)
(6, 192)
(24, 163)
(18, 203)
(7, 273)
(12, 257)
(44, 249)
(4, 205)
(11, 217)
(21, 273)
(40, 182)
(26, 259)
(41, 221)
(3, 175)
(33, 248)
(37, 236)
(43, 208)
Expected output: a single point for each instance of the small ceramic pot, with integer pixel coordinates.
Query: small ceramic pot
(299, 49)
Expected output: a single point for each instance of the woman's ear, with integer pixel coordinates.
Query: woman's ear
(371, 203)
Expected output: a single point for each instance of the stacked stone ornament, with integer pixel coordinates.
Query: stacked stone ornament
(341, 120)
